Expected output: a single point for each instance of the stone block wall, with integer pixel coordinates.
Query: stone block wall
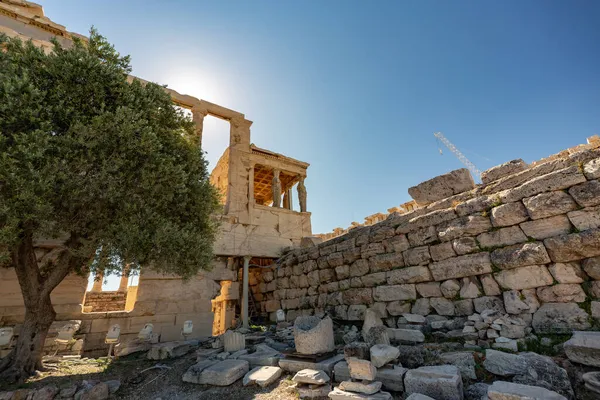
(104, 301)
(526, 243)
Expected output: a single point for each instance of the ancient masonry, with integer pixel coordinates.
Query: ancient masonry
(526, 242)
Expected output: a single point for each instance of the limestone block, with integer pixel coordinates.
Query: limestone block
(561, 293)
(470, 225)
(463, 307)
(392, 378)
(442, 305)
(465, 245)
(461, 266)
(311, 377)
(422, 306)
(529, 277)
(295, 365)
(502, 170)
(520, 255)
(475, 205)
(345, 245)
(513, 302)
(359, 350)
(501, 390)
(422, 236)
(372, 249)
(417, 256)
(395, 292)
(502, 237)
(591, 169)
(586, 194)
(371, 320)
(359, 268)
(339, 394)
(442, 186)
(375, 279)
(549, 204)
(463, 360)
(192, 375)
(398, 307)
(558, 318)
(313, 335)
(409, 275)
(263, 356)
(429, 289)
(357, 296)
(405, 335)
(380, 309)
(530, 298)
(489, 284)
(262, 376)
(567, 272)
(396, 244)
(450, 288)
(224, 373)
(509, 214)
(358, 387)
(380, 232)
(557, 180)
(470, 288)
(432, 218)
(547, 227)
(361, 369)
(587, 218)
(438, 382)
(575, 246)
(385, 262)
(356, 312)
(591, 266)
(584, 348)
(442, 251)
(504, 364)
(487, 304)
(382, 354)
(342, 272)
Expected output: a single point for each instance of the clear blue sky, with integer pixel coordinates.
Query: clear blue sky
(357, 88)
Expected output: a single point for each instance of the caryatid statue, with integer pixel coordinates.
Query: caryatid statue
(302, 195)
(276, 187)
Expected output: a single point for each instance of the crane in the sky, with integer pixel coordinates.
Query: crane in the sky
(458, 154)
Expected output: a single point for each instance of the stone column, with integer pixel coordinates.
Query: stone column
(198, 117)
(98, 280)
(302, 195)
(245, 292)
(287, 204)
(124, 283)
(276, 187)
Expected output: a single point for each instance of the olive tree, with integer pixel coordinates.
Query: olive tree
(109, 168)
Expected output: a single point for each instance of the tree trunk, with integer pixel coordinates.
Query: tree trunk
(36, 287)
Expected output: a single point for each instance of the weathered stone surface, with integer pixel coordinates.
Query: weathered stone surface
(470, 288)
(192, 375)
(263, 356)
(530, 298)
(417, 256)
(502, 237)
(339, 394)
(586, 194)
(504, 364)
(465, 245)
(549, 204)
(224, 373)
(422, 306)
(359, 268)
(501, 390)
(422, 236)
(262, 376)
(488, 303)
(463, 307)
(392, 378)
(295, 365)
(542, 371)
(574, 247)
(361, 369)
(442, 186)
(584, 348)
(359, 350)
(356, 312)
(429, 289)
(591, 266)
(357, 296)
(587, 218)
(520, 255)
(529, 277)
(233, 341)
(313, 335)
(461, 266)
(489, 284)
(385, 262)
(382, 354)
(48, 392)
(463, 360)
(561, 293)
(502, 170)
(558, 318)
(311, 377)
(313, 391)
(450, 288)
(513, 302)
(395, 292)
(372, 280)
(358, 387)
(371, 320)
(432, 218)
(405, 335)
(464, 226)
(441, 251)
(591, 169)
(100, 391)
(557, 180)
(409, 275)
(509, 214)
(442, 305)
(398, 307)
(396, 244)
(547, 227)
(439, 382)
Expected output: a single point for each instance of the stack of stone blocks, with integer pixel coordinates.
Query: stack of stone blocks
(489, 263)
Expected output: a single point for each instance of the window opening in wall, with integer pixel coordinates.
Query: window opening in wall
(215, 144)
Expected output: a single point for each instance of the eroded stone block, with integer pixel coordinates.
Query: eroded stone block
(442, 186)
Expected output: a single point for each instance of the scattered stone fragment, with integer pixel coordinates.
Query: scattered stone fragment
(311, 376)
(224, 373)
(371, 320)
(392, 377)
(295, 365)
(501, 390)
(338, 394)
(477, 391)
(592, 381)
(361, 369)
(504, 364)
(192, 375)
(559, 318)
(382, 354)
(312, 391)
(513, 302)
(313, 335)
(262, 376)
(584, 348)
(358, 387)
(405, 335)
(463, 360)
(439, 382)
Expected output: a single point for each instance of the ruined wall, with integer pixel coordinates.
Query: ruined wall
(526, 242)
(104, 301)
(219, 176)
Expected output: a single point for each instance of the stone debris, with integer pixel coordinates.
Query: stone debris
(86, 390)
(295, 365)
(439, 382)
(338, 394)
(584, 348)
(312, 391)
(262, 376)
(233, 341)
(592, 381)
(311, 376)
(501, 390)
(382, 354)
(223, 373)
(313, 335)
(262, 356)
(359, 387)
(361, 369)
(391, 377)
